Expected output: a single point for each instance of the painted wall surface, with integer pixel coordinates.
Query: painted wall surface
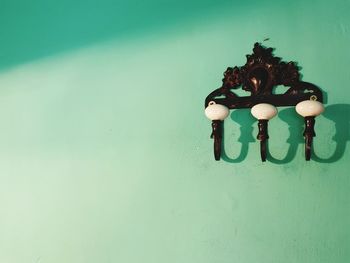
(105, 153)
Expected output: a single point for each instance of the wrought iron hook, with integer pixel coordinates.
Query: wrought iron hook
(262, 136)
(217, 136)
(309, 133)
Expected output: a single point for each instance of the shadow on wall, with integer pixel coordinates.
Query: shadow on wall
(35, 29)
(337, 113)
(340, 115)
(244, 118)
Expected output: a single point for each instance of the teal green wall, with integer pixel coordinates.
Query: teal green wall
(105, 153)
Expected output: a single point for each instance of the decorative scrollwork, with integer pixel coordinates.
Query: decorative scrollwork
(231, 78)
(262, 72)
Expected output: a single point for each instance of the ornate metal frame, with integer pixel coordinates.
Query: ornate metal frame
(261, 73)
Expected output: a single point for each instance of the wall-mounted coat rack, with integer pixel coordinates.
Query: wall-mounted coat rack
(261, 73)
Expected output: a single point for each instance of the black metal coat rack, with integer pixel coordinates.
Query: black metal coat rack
(261, 73)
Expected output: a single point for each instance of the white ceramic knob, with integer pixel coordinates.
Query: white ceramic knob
(264, 111)
(308, 108)
(216, 112)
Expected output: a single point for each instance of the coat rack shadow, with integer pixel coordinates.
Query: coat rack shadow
(339, 114)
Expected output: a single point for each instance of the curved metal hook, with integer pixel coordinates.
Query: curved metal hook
(262, 136)
(217, 135)
(263, 150)
(308, 146)
(309, 133)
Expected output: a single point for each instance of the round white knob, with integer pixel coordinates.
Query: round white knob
(216, 112)
(264, 111)
(308, 108)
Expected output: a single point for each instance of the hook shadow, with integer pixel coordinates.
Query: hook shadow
(295, 127)
(340, 115)
(337, 113)
(245, 120)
